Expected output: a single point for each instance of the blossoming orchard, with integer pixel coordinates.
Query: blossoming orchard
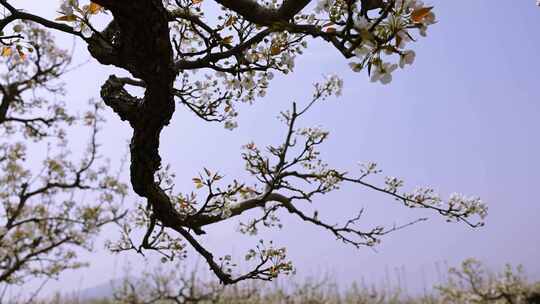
(47, 213)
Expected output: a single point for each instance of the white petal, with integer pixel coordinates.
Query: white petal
(386, 78)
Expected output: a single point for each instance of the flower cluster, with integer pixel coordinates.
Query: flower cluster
(275, 257)
(457, 207)
(370, 40)
(331, 86)
(79, 16)
(472, 283)
(41, 212)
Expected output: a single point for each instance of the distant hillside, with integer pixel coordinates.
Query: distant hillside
(104, 290)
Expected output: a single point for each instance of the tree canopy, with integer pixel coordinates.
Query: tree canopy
(238, 45)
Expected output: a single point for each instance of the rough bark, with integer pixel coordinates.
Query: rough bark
(144, 49)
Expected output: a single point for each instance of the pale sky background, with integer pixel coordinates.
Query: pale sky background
(464, 118)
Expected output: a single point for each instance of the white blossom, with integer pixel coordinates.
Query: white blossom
(323, 5)
(393, 184)
(287, 60)
(66, 7)
(334, 83)
(404, 38)
(231, 125)
(17, 28)
(356, 67)
(406, 58)
(383, 73)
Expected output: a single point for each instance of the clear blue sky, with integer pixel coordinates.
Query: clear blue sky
(464, 118)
